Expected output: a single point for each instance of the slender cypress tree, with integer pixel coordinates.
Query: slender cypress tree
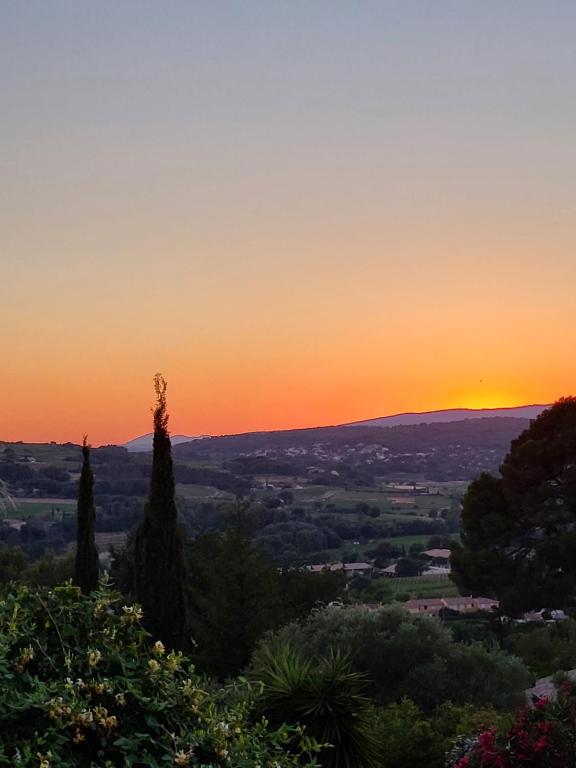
(86, 568)
(159, 576)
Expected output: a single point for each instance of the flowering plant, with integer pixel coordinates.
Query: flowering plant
(542, 736)
(82, 684)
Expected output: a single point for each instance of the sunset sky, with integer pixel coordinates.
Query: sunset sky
(300, 212)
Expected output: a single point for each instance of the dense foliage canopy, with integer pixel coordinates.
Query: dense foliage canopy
(519, 539)
(82, 684)
(405, 655)
(236, 593)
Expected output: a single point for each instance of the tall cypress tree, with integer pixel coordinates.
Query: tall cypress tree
(159, 577)
(86, 568)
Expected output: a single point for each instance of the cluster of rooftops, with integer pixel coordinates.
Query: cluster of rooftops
(431, 606)
(438, 557)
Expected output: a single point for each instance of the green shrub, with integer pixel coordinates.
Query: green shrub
(548, 648)
(407, 656)
(81, 684)
(409, 738)
(47, 571)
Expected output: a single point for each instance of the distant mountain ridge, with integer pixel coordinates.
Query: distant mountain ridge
(450, 414)
(143, 444)
(441, 451)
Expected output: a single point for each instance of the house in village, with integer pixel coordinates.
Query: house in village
(349, 569)
(432, 606)
(438, 556)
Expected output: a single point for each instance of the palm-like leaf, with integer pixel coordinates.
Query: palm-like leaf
(327, 698)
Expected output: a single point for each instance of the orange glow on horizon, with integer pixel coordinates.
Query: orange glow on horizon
(480, 398)
(301, 216)
(115, 417)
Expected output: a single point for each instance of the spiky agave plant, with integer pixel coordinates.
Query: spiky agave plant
(326, 697)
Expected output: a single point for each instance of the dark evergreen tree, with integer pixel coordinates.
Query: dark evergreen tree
(237, 593)
(519, 537)
(159, 577)
(234, 595)
(86, 567)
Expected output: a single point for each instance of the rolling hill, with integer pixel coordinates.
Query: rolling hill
(143, 444)
(451, 414)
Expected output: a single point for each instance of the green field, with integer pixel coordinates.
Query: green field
(335, 555)
(197, 463)
(202, 493)
(407, 541)
(422, 586)
(312, 493)
(386, 591)
(65, 456)
(392, 504)
(25, 509)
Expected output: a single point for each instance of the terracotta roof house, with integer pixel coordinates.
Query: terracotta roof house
(433, 606)
(461, 603)
(437, 554)
(357, 569)
(428, 606)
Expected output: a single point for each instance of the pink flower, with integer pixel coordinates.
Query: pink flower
(486, 739)
(541, 744)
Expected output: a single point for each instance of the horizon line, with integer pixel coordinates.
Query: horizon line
(294, 429)
(348, 423)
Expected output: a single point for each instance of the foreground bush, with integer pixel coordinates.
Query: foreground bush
(541, 737)
(81, 684)
(547, 648)
(409, 738)
(406, 656)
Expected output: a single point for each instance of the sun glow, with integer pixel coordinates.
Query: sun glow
(479, 398)
(218, 195)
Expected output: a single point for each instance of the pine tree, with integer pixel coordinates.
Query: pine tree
(159, 553)
(519, 529)
(234, 595)
(86, 568)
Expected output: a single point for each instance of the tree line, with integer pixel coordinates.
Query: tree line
(214, 595)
